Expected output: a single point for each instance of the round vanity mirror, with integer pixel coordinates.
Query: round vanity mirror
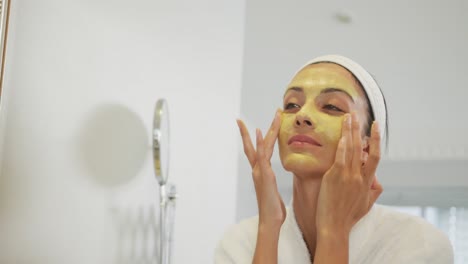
(161, 141)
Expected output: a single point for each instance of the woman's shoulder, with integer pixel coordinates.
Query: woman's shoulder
(237, 244)
(409, 235)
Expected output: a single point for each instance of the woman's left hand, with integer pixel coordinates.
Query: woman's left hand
(348, 189)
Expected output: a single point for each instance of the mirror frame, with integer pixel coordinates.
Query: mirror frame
(161, 170)
(4, 19)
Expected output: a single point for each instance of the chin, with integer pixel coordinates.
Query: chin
(303, 164)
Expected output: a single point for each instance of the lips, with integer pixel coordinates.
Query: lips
(301, 139)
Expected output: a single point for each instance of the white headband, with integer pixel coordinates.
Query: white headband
(370, 86)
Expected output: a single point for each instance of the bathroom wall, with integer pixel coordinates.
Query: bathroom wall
(82, 77)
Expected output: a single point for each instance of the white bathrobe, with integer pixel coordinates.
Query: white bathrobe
(383, 236)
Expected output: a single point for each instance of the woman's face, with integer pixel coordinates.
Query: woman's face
(314, 104)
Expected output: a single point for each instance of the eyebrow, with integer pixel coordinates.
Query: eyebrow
(324, 91)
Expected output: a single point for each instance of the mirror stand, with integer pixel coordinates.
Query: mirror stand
(167, 198)
(167, 191)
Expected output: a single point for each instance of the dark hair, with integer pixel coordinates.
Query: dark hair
(371, 111)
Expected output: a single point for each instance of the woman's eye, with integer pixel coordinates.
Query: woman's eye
(332, 107)
(291, 106)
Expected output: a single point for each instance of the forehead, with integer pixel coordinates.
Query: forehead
(327, 75)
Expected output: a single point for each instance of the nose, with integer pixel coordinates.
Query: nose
(303, 121)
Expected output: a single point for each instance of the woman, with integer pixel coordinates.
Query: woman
(329, 138)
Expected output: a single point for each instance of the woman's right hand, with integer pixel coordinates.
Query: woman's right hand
(272, 211)
(349, 188)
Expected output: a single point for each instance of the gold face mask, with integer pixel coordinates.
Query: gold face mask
(314, 104)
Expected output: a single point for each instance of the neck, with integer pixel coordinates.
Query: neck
(305, 196)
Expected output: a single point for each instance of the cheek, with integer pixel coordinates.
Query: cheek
(284, 128)
(330, 128)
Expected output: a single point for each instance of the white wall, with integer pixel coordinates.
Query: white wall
(82, 77)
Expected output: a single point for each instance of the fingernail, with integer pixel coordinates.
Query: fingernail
(257, 132)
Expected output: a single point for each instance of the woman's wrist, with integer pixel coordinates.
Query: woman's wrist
(266, 250)
(268, 236)
(269, 228)
(332, 235)
(332, 246)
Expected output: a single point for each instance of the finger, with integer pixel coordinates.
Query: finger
(364, 154)
(375, 194)
(247, 142)
(349, 141)
(262, 161)
(272, 135)
(257, 172)
(357, 145)
(374, 153)
(374, 183)
(340, 156)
